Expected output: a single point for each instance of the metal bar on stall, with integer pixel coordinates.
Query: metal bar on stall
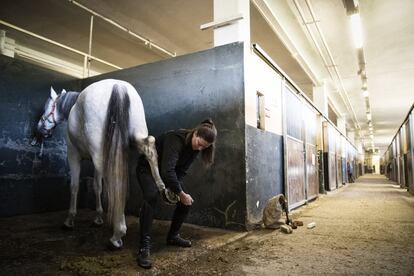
(90, 45)
(147, 42)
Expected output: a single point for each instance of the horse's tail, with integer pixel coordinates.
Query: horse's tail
(115, 152)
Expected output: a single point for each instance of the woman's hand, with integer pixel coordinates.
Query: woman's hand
(185, 199)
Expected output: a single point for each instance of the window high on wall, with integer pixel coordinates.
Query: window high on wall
(260, 108)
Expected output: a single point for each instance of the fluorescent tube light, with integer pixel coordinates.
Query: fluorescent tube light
(356, 30)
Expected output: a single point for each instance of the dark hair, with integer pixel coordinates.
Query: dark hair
(208, 132)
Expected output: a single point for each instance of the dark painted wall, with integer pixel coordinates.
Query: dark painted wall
(179, 93)
(264, 170)
(30, 184)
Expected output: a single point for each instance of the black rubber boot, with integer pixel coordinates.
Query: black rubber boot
(145, 223)
(180, 213)
(173, 238)
(144, 253)
(178, 241)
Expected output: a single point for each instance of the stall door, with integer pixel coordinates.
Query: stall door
(329, 156)
(312, 182)
(332, 171)
(410, 163)
(294, 150)
(296, 176)
(311, 172)
(402, 171)
(338, 151)
(338, 171)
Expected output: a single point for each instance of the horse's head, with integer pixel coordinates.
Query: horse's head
(51, 116)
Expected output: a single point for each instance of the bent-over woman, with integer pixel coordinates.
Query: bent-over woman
(176, 152)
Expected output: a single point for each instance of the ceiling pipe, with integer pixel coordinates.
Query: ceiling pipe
(313, 37)
(57, 43)
(342, 90)
(319, 51)
(351, 6)
(275, 24)
(146, 41)
(90, 47)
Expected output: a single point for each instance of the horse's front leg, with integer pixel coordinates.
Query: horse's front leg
(97, 187)
(147, 147)
(74, 165)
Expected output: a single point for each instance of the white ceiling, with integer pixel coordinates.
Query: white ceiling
(388, 30)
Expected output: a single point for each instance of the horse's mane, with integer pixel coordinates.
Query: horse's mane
(66, 102)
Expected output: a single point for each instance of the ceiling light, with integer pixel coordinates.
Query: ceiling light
(365, 93)
(369, 116)
(371, 136)
(356, 30)
(364, 83)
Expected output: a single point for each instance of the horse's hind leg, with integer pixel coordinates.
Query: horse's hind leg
(97, 186)
(147, 147)
(74, 164)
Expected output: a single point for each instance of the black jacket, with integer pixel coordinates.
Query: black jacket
(174, 158)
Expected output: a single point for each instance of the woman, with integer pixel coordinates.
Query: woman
(176, 152)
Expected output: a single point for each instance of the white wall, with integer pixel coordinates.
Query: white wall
(262, 78)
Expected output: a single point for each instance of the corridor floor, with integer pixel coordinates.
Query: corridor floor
(364, 228)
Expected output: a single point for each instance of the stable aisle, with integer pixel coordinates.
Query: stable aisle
(364, 228)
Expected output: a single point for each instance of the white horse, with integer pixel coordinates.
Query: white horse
(105, 121)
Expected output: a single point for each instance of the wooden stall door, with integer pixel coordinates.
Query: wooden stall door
(310, 126)
(395, 169)
(294, 149)
(406, 180)
(311, 172)
(410, 178)
(409, 139)
(332, 171)
(296, 176)
(402, 173)
(338, 171)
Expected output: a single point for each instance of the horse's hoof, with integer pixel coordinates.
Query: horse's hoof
(97, 223)
(111, 247)
(67, 228)
(169, 197)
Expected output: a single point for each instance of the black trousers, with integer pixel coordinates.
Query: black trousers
(151, 196)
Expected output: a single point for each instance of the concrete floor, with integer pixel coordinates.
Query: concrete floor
(364, 228)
